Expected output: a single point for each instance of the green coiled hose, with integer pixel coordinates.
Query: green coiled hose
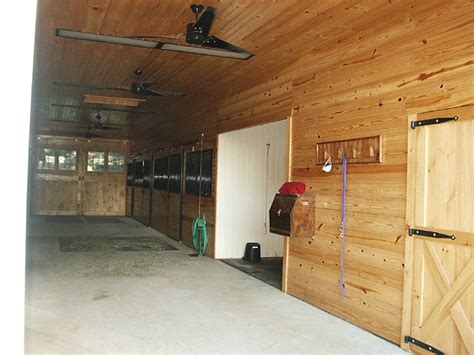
(199, 235)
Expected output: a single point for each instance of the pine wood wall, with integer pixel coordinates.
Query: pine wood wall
(393, 61)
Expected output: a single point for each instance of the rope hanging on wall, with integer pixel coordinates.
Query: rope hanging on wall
(199, 224)
(343, 222)
(266, 189)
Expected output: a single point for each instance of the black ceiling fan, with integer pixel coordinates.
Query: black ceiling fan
(89, 134)
(197, 34)
(138, 87)
(100, 108)
(99, 125)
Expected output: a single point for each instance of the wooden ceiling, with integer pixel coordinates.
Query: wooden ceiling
(58, 59)
(278, 32)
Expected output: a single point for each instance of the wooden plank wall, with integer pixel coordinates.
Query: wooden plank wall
(396, 59)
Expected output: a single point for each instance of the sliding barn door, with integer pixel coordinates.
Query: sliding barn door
(438, 304)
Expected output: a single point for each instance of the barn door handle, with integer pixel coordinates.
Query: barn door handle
(425, 233)
(279, 212)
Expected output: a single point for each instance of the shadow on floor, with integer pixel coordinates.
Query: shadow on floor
(269, 270)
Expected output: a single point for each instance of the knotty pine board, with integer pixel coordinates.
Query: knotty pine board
(364, 76)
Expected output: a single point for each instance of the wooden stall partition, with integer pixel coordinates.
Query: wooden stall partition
(138, 204)
(146, 190)
(129, 189)
(159, 211)
(175, 186)
(138, 190)
(159, 195)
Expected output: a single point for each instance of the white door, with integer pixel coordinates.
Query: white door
(252, 164)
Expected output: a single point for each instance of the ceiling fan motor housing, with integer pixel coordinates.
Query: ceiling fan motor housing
(194, 34)
(138, 88)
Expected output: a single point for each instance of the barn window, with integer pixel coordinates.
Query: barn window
(67, 159)
(160, 180)
(116, 162)
(174, 176)
(95, 161)
(46, 159)
(194, 175)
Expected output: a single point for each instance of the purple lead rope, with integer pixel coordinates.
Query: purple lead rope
(343, 222)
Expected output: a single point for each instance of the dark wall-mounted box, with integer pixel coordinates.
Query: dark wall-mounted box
(293, 215)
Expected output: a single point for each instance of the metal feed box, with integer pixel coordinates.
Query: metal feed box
(293, 215)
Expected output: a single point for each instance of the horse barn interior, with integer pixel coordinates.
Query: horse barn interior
(161, 132)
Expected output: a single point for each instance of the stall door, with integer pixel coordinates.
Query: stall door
(146, 192)
(159, 212)
(137, 209)
(129, 190)
(439, 252)
(174, 196)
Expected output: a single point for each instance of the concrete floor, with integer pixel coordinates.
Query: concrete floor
(166, 302)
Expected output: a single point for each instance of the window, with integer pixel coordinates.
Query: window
(193, 173)
(174, 176)
(95, 161)
(116, 162)
(46, 159)
(67, 159)
(160, 180)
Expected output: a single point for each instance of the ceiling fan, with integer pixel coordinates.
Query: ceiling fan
(138, 87)
(197, 34)
(99, 108)
(99, 125)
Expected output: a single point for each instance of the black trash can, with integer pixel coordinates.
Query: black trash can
(252, 252)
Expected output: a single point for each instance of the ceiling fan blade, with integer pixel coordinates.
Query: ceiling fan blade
(215, 42)
(107, 128)
(168, 46)
(164, 93)
(90, 86)
(87, 124)
(209, 51)
(96, 108)
(206, 20)
(97, 37)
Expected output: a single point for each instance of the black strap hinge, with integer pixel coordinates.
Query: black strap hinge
(431, 121)
(425, 233)
(409, 339)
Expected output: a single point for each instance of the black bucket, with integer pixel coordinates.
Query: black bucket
(252, 252)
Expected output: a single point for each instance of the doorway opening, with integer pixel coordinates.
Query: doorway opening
(252, 163)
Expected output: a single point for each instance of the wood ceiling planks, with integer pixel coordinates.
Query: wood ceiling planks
(267, 27)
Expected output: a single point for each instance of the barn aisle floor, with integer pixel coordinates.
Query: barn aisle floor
(161, 300)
